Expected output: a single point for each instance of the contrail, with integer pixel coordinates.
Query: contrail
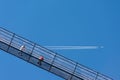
(73, 47)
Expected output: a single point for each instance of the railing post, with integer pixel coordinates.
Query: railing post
(74, 71)
(32, 51)
(11, 41)
(52, 61)
(96, 76)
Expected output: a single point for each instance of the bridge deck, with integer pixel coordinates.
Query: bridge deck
(53, 62)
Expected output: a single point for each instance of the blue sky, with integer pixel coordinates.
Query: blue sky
(60, 23)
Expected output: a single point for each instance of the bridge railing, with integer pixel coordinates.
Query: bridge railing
(58, 64)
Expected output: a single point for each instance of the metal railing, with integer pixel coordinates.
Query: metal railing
(64, 65)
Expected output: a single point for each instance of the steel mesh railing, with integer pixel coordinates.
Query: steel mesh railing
(57, 64)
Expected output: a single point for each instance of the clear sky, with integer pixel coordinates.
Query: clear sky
(60, 23)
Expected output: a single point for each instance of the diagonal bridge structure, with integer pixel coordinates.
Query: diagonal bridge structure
(45, 58)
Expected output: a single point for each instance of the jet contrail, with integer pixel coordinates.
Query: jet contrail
(73, 47)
